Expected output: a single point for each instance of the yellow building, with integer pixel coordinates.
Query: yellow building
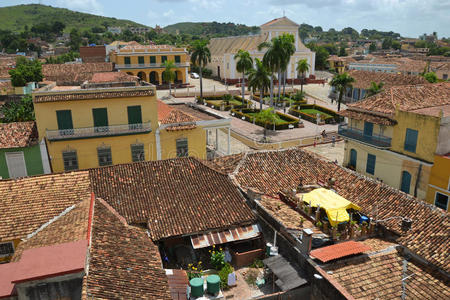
(439, 185)
(394, 135)
(146, 62)
(223, 64)
(108, 121)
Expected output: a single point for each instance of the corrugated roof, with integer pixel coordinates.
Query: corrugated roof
(230, 235)
(340, 250)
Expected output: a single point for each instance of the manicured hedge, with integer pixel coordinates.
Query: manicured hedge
(249, 118)
(226, 107)
(296, 111)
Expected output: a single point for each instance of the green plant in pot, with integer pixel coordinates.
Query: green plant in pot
(217, 258)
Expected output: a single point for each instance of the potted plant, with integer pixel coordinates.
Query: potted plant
(302, 220)
(334, 232)
(364, 228)
(319, 224)
(325, 226)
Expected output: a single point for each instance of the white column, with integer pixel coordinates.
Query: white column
(44, 157)
(187, 76)
(217, 139)
(229, 145)
(296, 40)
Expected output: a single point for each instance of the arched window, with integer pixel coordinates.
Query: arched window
(406, 182)
(353, 157)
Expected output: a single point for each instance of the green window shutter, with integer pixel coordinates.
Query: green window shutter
(127, 60)
(70, 160)
(137, 152)
(411, 140)
(370, 167)
(182, 148)
(64, 118)
(100, 117)
(141, 60)
(177, 59)
(104, 156)
(153, 59)
(163, 58)
(134, 114)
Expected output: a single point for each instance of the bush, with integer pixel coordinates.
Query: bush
(208, 101)
(296, 111)
(257, 263)
(223, 274)
(285, 125)
(217, 258)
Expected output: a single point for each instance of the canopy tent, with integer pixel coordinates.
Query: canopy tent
(334, 205)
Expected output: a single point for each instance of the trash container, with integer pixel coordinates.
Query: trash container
(196, 287)
(213, 284)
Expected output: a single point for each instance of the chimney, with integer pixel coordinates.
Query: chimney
(306, 241)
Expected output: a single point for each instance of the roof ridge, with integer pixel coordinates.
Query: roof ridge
(113, 211)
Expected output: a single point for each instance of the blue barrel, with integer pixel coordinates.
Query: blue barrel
(364, 219)
(196, 287)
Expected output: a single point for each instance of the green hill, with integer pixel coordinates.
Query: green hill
(14, 18)
(211, 28)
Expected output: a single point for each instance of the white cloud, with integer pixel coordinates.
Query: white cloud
(89, 6)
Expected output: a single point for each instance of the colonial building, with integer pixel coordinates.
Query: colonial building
(146, 61)
(395, 135)
(113, 120)
(223, 64)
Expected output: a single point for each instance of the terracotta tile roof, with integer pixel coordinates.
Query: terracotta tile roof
(367, 117)
(18, 135)
(175, 197)
(193, 111)
(70, 227)
(112, 77)
(380, 277)
(83, 95)
(169, 115)
(226, 164)
(406, 98)
(363, 79)
(271, 171)
(124, 263)
(340, 250)
(74, 74)
(29, 203)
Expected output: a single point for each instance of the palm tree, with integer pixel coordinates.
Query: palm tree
(374, 88)
(259, 79)
(288, 45)
(272, 59)
(244, 63)
(341, 82)
(200, 56)
(266, 116)
(302, 68)
(169, 74)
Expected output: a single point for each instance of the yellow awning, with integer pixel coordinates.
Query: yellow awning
(334, 205)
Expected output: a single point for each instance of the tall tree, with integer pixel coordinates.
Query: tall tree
(18, 111)
(341, 82)
(374, 88)
(25, 71)
(302, 68)
(273, 60)
(169, 74)
(200, 56)
(259, 79)
(288, 46)
(244, 64)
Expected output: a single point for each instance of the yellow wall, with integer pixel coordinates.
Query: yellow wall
(439, 179)
(196, 142)
(428, 128)
(386, 131)
(389, 167)
(8, 258)
(120, 59)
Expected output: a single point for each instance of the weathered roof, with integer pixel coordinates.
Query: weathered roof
(220, 46)
(29, 203)
(93, 95)
(405, 98)
(70, 227)
(74, 73)
(283, 21)
(124, 263)
(112, 77)
(340, 250)
(271, 171)
(380, 277)
(168, 115)
(18, 135)
(175, 196)
(363, 79)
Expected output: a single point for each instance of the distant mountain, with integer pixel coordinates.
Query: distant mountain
(211, 28)
(14, 18)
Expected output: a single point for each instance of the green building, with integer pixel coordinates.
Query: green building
(21, 154)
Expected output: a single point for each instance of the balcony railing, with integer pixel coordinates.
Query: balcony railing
(89, 132)
(378, 141)
(155, 65)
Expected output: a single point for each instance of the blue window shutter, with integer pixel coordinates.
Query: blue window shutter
(406, 182)
(411, 140)
(370, 167)
(353, 157)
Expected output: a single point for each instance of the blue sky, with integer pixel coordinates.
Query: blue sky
(408, 17)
